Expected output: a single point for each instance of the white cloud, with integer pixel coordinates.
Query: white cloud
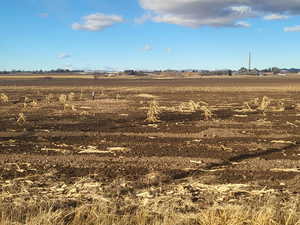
(275, 16)
(97, 21)
(64, 56)
(197, 13)
(147, 47)
(292, 29)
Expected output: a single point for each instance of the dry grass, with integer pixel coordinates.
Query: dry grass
(101, 213)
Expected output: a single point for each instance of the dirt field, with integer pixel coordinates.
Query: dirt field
(78, 150)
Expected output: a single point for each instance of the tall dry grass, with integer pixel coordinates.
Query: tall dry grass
(287, 213)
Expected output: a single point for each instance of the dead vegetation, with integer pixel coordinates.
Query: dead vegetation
(263, 105)
(153, 112)
(66, 101)
(207, 113)
(71, 96)
(3, 98)
(21, 119)
(272, 212)
(265, 102)
(192, 106)
(63, 99)
(49, 98)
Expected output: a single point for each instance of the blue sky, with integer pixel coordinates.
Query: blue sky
(148, 34)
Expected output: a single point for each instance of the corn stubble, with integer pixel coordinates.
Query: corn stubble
(49, 98)
(65, 101)
(200, 106)
(21, 119)
(153, 112)
(263, 105)
(3, 98)
(206, 112)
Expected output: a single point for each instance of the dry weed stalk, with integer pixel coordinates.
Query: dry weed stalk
(4, 98)
(153, 112)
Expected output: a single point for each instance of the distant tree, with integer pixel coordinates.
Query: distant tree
(275, 70)
(130, 72)
(243, 70)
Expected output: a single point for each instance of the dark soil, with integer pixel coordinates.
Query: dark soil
(182, 145)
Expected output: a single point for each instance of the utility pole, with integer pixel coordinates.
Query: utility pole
(249, 61)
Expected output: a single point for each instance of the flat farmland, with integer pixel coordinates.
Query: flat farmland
(216, 142)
